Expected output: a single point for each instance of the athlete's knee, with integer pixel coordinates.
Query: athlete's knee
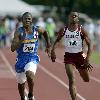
(71, 85)
(71, 81)
(84, 74)
(29, 75)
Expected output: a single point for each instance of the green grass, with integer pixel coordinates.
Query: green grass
(95, 57)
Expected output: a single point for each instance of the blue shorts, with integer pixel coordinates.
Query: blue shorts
(23, 60)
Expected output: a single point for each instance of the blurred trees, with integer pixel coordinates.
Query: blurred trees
(51, 3)
(46, 2)
(90, 7)
(63, 6)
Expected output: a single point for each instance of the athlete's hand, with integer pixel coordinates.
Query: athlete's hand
(86, 61)
(53, 55)
(88, 66)
(47, 50)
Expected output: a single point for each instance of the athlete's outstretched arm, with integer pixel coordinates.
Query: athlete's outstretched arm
(45, 34)
(16, 41)
(59, 37)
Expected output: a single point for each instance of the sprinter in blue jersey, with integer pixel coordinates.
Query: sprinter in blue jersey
(25, 43)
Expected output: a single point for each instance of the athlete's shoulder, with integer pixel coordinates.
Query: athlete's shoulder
(40, 29)
(82, 31)
(20, 29)
(35, 28)
(80, 26)
(65, 28)
(62, 30)
(19, 32)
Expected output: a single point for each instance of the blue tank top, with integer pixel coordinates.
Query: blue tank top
(27, 51)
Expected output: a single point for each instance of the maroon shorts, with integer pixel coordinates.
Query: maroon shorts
(77, 59)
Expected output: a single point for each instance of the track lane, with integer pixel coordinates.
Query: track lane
(87, 90)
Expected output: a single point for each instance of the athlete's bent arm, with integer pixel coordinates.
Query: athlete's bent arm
(59, 37)
(15, 42)
(45, 34)
(88, 42)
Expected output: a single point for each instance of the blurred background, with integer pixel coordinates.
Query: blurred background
(51, 82)
(51, 15)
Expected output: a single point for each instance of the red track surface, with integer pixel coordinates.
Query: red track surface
(51, 82)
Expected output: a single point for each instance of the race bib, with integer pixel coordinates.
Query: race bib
(28, 47)
(72, 43)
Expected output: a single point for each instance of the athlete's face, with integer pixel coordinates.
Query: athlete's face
(73, 17)
(27, 20)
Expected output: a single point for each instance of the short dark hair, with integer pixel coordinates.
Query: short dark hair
(26, 13)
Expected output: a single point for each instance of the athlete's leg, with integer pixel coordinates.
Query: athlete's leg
(30, 81)
(82, 69)
(84, 74)
(70, 74)
(21, 79)
(30, 70)
(21, 88)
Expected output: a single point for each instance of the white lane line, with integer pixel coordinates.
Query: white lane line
(91, 77)
(43, 69)
(58, 80)
(10, 67)
(53, 76)
(95, 79)
(7, 63)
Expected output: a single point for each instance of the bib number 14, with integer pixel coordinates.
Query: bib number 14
(72, 43)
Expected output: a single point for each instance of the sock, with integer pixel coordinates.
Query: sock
(30, 95)
(23, 98)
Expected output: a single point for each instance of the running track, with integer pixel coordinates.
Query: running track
(51, 82)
